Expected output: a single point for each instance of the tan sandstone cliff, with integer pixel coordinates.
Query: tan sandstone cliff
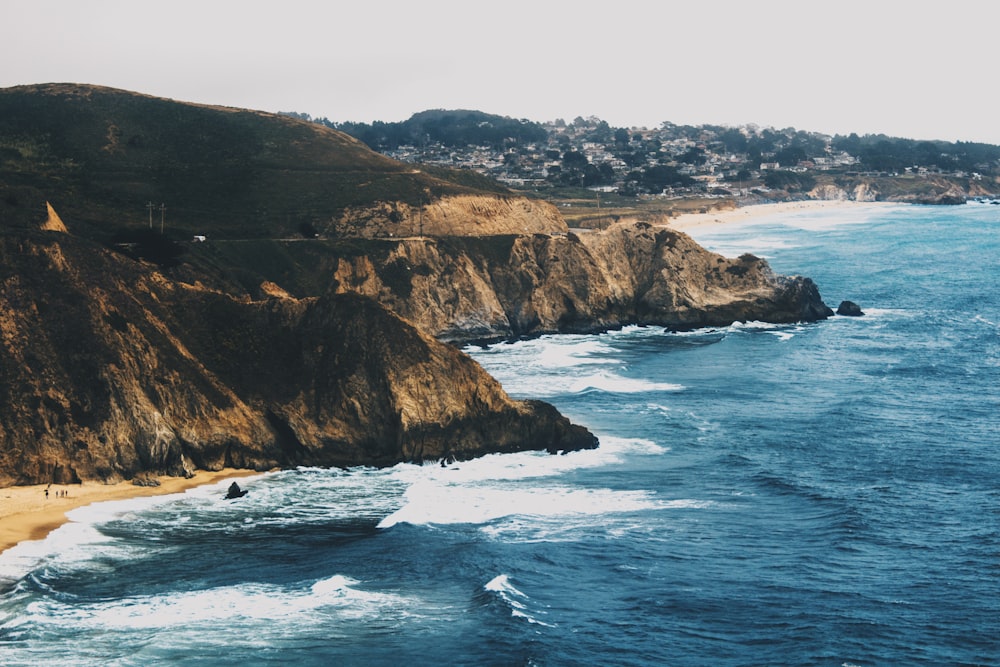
(462, 289)
(111, 369)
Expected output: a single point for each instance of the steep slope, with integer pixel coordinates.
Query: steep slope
(110, 369)
(462, 289)
(256, 350)
(102, 155)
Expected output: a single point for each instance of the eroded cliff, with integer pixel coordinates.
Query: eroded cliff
(306, 330)
(111, 369)
(493, 287)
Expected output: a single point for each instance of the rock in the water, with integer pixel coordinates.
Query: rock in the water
(235, 491)
(850, 309)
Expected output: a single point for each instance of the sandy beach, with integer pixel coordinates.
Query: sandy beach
(27, 513)
(690, 222)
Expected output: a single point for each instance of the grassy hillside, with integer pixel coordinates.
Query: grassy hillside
(100, 155)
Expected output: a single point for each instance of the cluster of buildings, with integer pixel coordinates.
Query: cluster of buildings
(683, 159)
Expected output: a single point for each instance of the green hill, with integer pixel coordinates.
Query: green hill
(101, 155)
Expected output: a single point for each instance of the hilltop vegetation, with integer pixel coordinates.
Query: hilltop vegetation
(439, 126)
(101, 155)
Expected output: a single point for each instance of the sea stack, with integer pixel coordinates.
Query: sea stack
(849, 309)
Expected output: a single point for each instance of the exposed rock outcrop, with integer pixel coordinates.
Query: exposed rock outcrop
(510, 286)
(254, 352)
(53, 223)
(111, 370)
(849, 309)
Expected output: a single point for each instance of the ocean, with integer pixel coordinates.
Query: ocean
(807, 494)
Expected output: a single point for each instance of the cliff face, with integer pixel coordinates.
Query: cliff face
(250, 351)
(508, 286)
(110, 369)
(907, 189)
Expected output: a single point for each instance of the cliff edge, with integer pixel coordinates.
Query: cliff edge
(462, 289)
(111, 369)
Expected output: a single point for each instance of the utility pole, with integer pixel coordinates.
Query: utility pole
(150, 206)
(163, 207)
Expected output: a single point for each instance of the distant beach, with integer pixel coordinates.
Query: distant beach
(689, 222)
(28, 513)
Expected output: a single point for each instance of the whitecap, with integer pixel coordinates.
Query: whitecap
(549, 351)
(517, 601)
(337, 584)
(617, 384)
(439, 501)
(257, 605)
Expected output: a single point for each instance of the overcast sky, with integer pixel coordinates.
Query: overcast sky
(903, 68)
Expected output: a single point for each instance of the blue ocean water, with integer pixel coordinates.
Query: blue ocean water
(810, 494)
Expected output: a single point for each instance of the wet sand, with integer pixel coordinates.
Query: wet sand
(26, 513)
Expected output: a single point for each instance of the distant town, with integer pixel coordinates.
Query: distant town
(668, 161)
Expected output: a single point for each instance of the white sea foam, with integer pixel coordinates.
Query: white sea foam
(613, 383)
(430, 503)
(517, 601)
(562, 351)
(76, 541)
(527, 485)
(733, 247)
(264, 607)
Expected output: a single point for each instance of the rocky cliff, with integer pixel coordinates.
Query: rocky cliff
(462, 289)
(306, 330)
(906, 189)
(110, 369)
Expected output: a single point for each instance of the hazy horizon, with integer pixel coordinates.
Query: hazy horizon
(870, 68)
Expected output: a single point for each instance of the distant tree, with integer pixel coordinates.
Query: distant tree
(694, 156)
(607, 173)
(448, 128)
(733, 140)
(574, 160)
(634, 159)
(790, 156)
(741, 175)
(790, 181)
(657, 178)
(601, 133)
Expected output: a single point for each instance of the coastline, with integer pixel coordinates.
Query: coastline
(26, 513)
(691, 222)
